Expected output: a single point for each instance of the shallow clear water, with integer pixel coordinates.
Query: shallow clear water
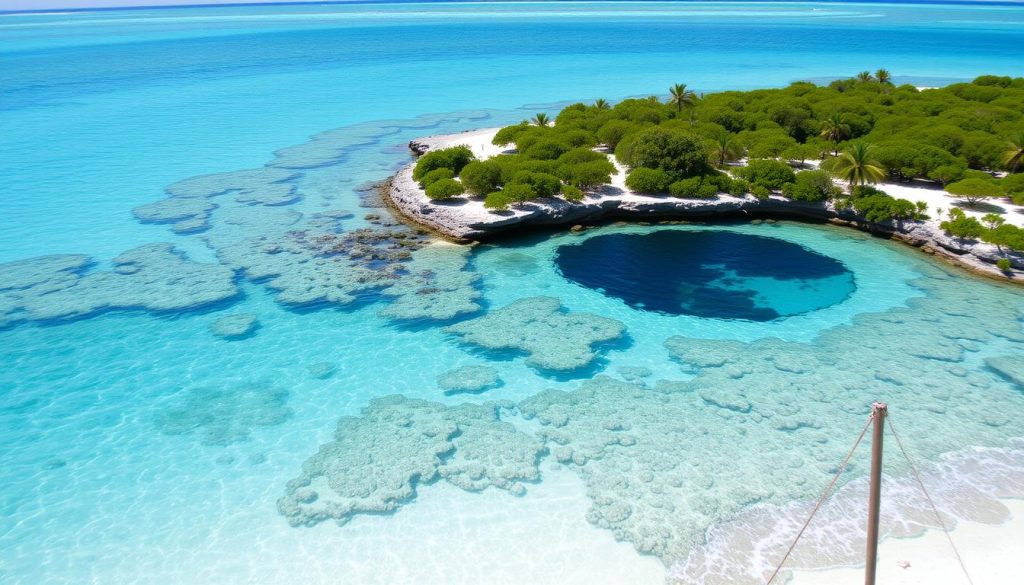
(138, 446)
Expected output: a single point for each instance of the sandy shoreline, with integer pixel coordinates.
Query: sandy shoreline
(991, 553)
(466, 220)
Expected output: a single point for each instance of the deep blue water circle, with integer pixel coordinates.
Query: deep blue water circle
(707, 273)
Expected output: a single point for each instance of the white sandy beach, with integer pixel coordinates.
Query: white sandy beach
(993, 554)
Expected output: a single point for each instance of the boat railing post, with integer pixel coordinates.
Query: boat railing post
(878, 412)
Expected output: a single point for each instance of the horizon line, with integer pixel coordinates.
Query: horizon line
(247, 3)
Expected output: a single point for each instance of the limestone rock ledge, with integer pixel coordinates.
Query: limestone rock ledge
(466, 220)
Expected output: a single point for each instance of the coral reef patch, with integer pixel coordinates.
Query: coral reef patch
(188, 214)
(234, 326)
(377, 460)
(553, 339)
(221, 416)
(469, 379)
(155, 277)
(434, 285)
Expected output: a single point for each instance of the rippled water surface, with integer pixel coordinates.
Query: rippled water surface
(224, 362)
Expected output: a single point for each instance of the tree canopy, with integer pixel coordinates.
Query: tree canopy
(874, 130)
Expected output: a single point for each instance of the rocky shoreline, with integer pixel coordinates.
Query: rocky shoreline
(465, 220)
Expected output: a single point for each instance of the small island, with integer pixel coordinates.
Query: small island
(941, 169)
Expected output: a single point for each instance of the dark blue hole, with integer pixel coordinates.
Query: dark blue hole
(715, 274)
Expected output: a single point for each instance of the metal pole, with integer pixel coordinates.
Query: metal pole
(878, 412)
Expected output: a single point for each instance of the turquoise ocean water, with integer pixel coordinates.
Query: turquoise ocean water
(138, 447)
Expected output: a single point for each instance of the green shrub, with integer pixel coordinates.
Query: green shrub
(1001, 81)
(859, 191)
(739, 187)
(453, 158)
(1004, 264)
(576, 138)
(828, 164)
(571, 193)
(881, 207)
(960, 225)
(811, 186)
(768, 173)
(624, 149)
(508, 134)
(973, 190)
(767, 143)
(906, 159)
(497, 201)
(511, 164)
(580, 155)
(519, 192)
(946, 174)
(481, 177)
(680, 154)
(1005, 236)
(612, 131)
(436, 175)
(694, 188)
(760, 191)
(589, 174)
(445, 189)
(645, 180)
(1013, 185)
(542, 184)
(546, 149)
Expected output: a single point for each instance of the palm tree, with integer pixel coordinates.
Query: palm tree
(834, 129)
(1014, 155)
(681, 97)
(602, 104)
(865, 76)
(541, 119)
(857, 166)
(726, 148)
(883, 76)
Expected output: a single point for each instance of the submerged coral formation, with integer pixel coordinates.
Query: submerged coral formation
(248, 219)
(665, 460)
(156, 277)
(469, 379)
(266, 186)
(222, 416)
(377, 460)
(554, 340)
(308, 260)
(1010, 367)
(435, 285)
(187, 214)
(234, 326)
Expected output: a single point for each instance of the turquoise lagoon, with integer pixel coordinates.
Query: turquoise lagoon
(137, 446)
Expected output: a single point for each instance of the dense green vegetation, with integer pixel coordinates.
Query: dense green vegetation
(864, 129)
(991, 229)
